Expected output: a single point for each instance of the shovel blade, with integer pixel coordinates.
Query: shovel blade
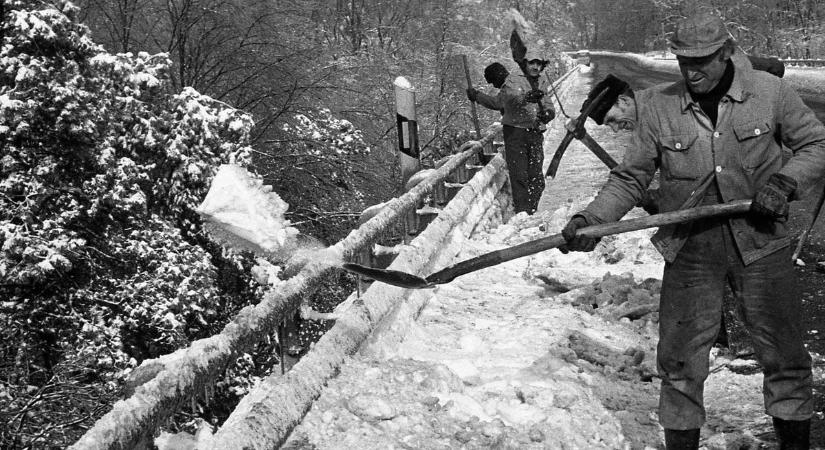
(388, 276)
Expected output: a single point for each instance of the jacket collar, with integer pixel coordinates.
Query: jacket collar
(740, 89)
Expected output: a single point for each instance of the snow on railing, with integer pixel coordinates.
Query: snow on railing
(163, 386)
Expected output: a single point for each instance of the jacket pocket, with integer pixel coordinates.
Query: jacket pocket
(755, 142)
(679, 157)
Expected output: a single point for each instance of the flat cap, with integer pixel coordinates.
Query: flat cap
(699, 35)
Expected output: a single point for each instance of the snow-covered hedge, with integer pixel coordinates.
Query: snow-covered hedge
(103, 262)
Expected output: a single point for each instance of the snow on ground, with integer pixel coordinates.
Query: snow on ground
(491, 361)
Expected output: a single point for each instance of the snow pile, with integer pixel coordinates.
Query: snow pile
(621, 297)
(240, 211)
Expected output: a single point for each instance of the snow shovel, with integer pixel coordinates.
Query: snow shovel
(410, 281)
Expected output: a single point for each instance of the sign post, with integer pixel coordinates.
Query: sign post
(407, 126)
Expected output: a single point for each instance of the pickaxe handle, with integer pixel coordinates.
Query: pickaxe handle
(554, 163)
(597, 150)
(472, 104)
(588, 141)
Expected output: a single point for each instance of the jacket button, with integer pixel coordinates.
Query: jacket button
(678, 145)
(716, 134)
(757, 131)
(718, 169)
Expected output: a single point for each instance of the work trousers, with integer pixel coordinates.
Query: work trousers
(689, 317)
(524, 153)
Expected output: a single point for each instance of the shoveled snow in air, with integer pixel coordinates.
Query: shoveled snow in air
(242, 212)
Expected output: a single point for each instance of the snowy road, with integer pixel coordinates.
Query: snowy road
(547, 351)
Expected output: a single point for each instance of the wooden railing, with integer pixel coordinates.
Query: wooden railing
(163, 386)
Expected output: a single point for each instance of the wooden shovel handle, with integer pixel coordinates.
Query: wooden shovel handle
(546, 243)
(473, 110)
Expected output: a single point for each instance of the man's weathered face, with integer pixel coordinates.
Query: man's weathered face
(622, 116)
(534, 67)
(703, 74)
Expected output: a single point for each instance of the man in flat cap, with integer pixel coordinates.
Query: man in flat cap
(715, 136)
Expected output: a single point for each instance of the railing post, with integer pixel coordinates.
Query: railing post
(491, 150)
(414, 220)
(367, 256)
(450, 186)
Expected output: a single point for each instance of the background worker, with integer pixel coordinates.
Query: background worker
(727, 120)
(525, 114)
(617, 108)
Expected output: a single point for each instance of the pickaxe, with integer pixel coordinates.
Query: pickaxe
(575, 129)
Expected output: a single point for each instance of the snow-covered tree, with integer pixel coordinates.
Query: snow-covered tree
(103, 262)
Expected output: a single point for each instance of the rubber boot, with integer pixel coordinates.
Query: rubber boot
(682, 439)
(793, 434)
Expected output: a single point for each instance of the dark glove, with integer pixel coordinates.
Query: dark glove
(772, 200)
(577, 243)
(472, 94)
(533, 96)
(546, 115)
(650, 202)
